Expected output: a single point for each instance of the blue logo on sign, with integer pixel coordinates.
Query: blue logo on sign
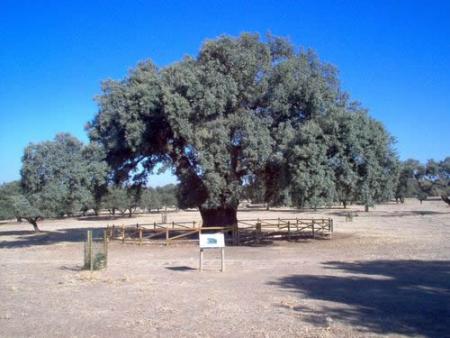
(212, 240)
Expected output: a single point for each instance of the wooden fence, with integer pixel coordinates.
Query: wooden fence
(259, 230)
(246, 231)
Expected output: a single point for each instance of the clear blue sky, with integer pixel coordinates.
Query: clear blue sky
(393, 56)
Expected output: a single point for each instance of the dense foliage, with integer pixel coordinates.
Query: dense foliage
(59, 177)
(63, 177)
(243, 112)
(8, 194)
(423, 180)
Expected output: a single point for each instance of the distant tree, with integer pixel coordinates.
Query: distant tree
(8, 191)
(150, 199)
(96, 171)
(434, 179)
(124, 199)
(31, 211)
(444, 180)
(423, 180)
(56, 178)
(167, 195)
(116, 200)
(407, 185)
(56, 169)
(134, 195)
(254, 190)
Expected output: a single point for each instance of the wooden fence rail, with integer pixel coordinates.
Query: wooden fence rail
(246, 231)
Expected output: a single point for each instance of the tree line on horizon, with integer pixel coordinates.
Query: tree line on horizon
(246, 118)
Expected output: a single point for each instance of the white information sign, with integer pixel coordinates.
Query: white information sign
(215, 240)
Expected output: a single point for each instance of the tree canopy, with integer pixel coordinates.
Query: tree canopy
(244, 111)
(8, 193)
(59, 177)
(423, 180)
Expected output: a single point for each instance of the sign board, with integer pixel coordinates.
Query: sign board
(215, 240)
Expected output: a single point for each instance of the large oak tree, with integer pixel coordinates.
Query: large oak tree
(244, 110)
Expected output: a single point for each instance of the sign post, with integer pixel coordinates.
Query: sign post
(212, 241)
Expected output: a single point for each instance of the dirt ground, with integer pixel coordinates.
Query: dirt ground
(387, 273)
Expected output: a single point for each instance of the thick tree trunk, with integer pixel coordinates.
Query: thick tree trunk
(33, 222)
(344, 203)
(446, 199)
(219, 217)
(366, 208)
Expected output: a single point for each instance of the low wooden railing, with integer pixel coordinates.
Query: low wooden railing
(245, 231)
(277, 228)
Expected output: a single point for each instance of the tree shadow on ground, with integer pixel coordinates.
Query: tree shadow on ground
(386, 297)
(104, 218)
(388, 214)
(75, 268)
(30, 238)
(16, 232)
(291, 210)
(180, 268)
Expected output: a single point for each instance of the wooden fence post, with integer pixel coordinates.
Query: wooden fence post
(105, 247)
(312, 228)
(235, 232)
(258, 230)
(330, 225)
(90, 252)
(289, 230)
(222, 261)
(123, 233)
(167, 235)
(200, 265)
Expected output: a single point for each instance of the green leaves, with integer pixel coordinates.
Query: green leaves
(8, 192)
(245, 111)
(312, 177)
(419, 180)
(61, 177)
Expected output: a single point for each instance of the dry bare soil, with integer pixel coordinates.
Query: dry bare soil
(385, 273)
